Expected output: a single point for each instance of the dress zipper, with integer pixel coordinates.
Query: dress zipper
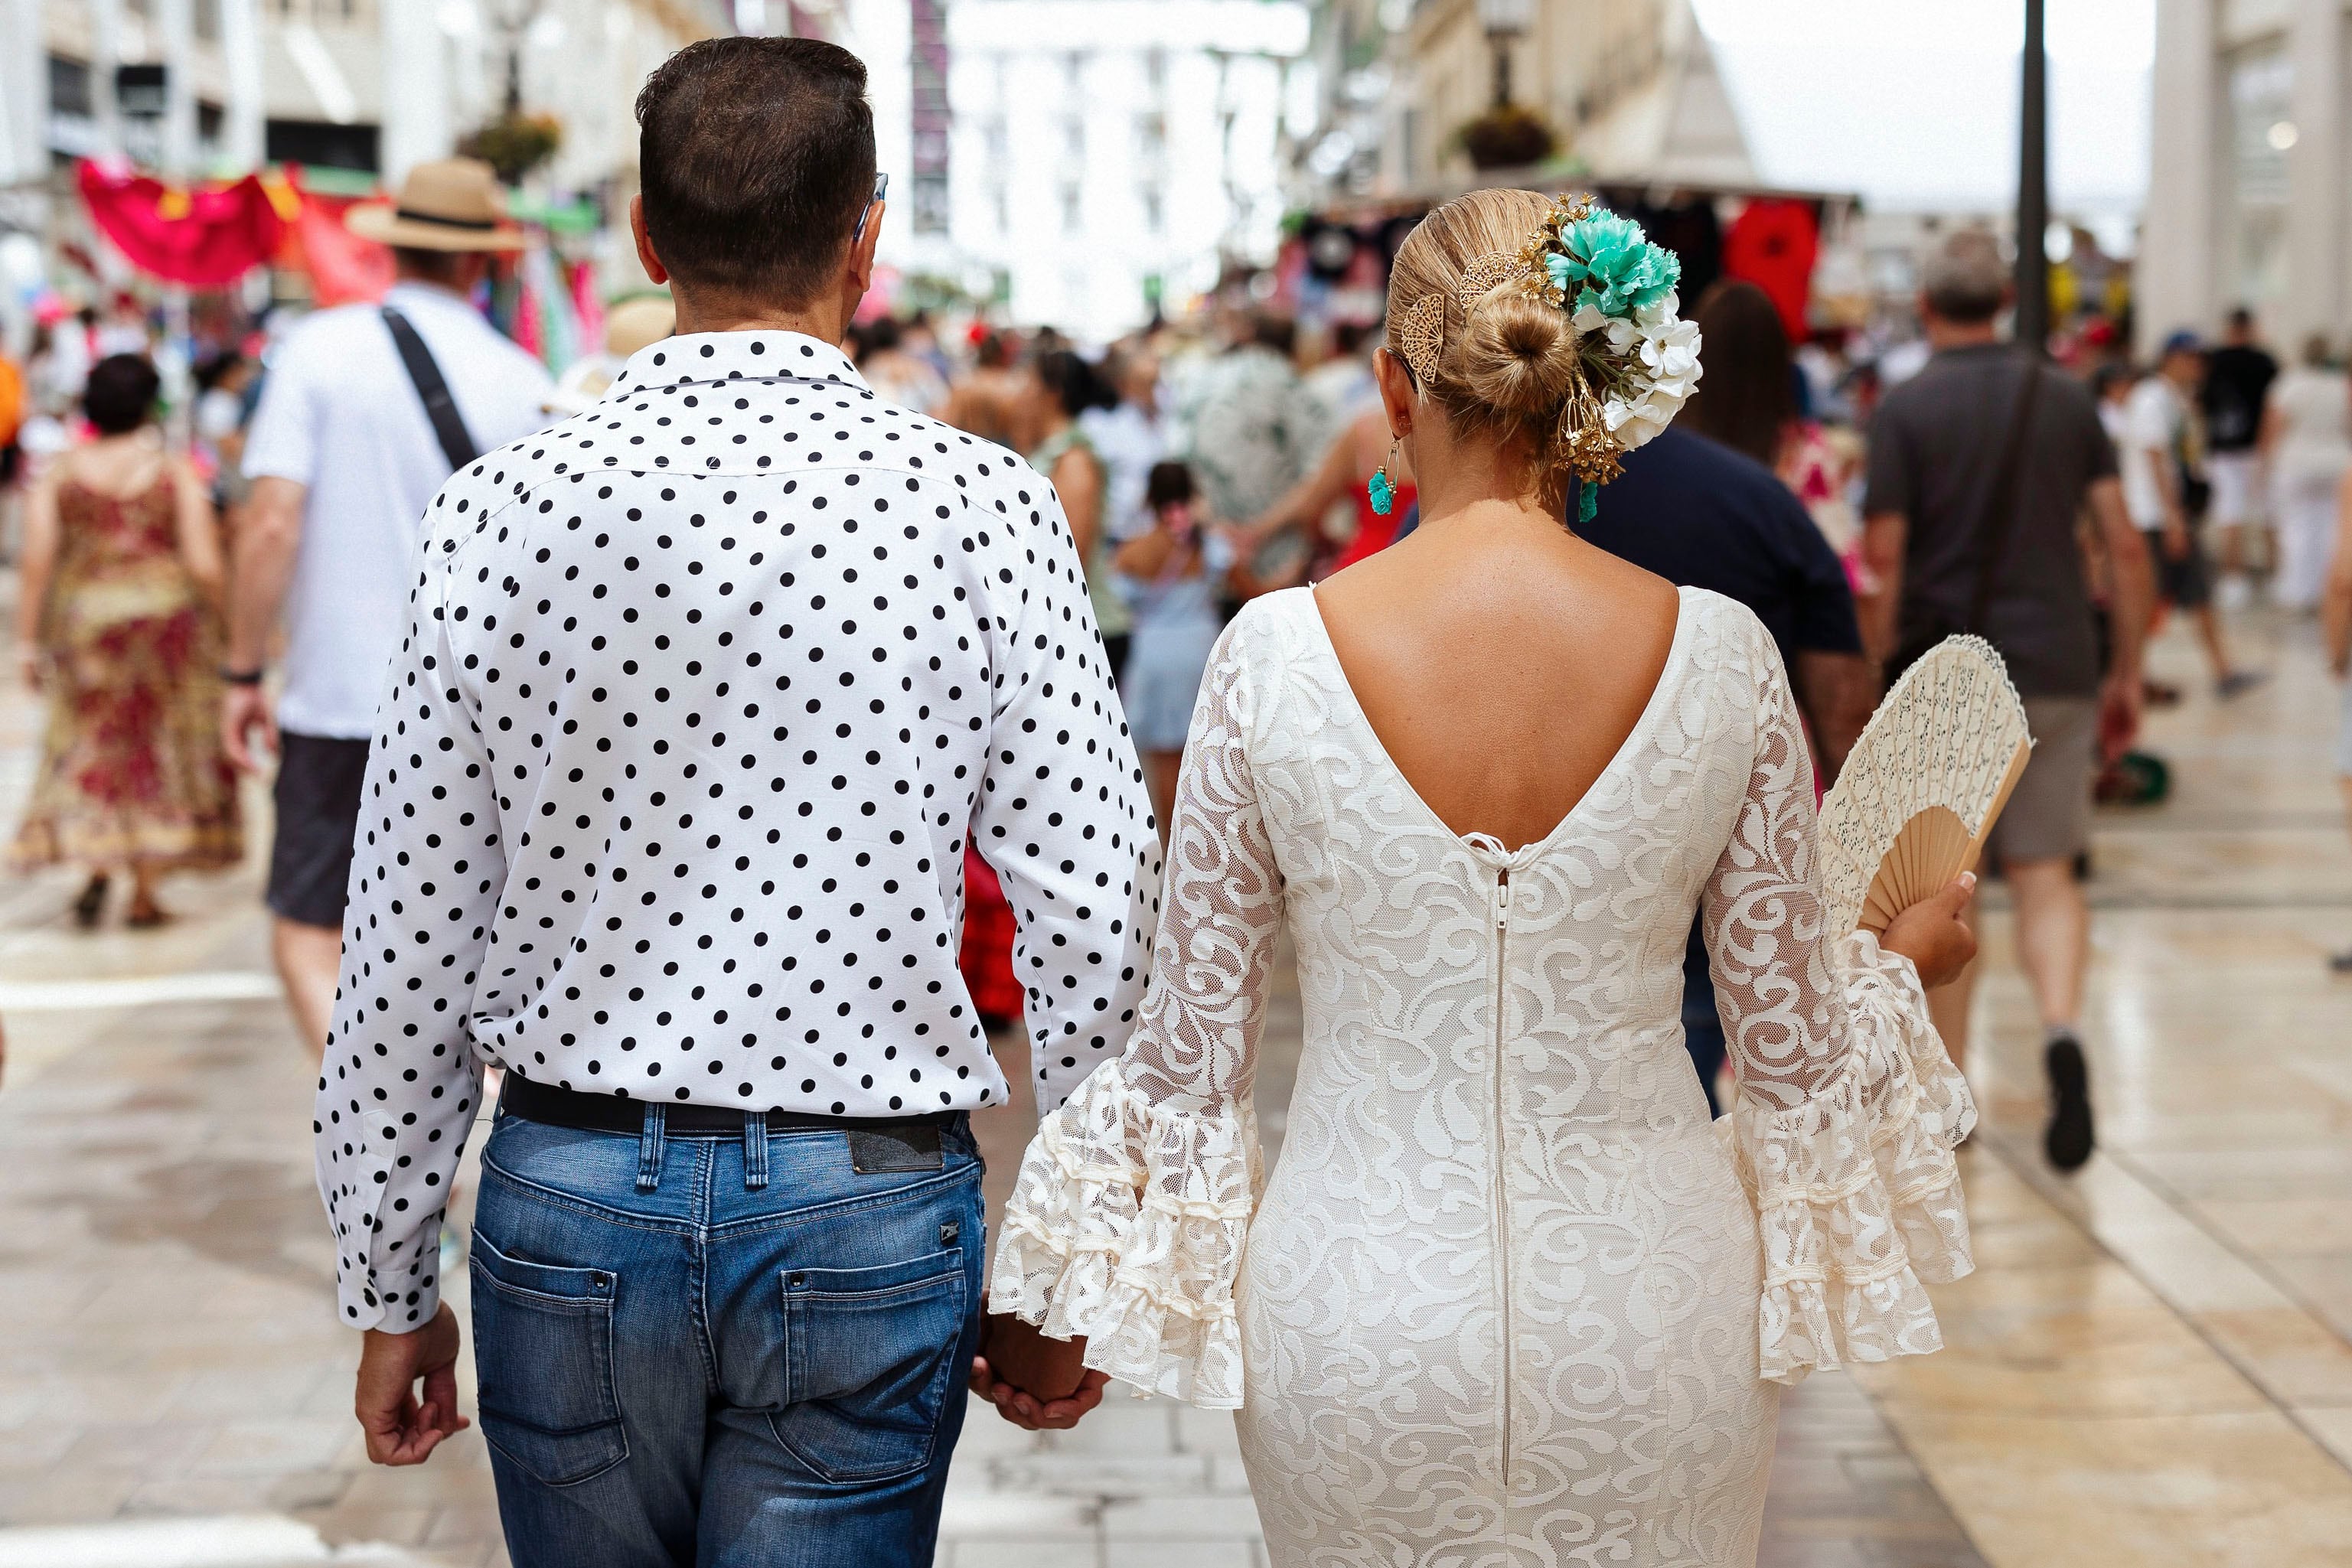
(1500, 1156)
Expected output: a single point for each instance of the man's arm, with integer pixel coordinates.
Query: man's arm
(1884, 538)
(261, 569)
(1837, 693)
(2131, 603)
(1064, 819)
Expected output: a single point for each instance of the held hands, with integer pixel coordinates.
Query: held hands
(401, 1429)
(1035, 1382)
(1934, 933)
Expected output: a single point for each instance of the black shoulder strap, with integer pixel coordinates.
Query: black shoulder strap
(456, 440)
(2003, 499)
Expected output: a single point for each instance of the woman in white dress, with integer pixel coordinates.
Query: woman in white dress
(2309, 440)
(1507, 1299)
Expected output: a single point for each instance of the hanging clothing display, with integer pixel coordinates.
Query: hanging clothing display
(1772, 244)
(204, 238)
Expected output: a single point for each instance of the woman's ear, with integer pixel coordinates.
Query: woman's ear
(1398, 394)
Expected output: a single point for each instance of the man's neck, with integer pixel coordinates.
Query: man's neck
(726, 314)
(1942, 334)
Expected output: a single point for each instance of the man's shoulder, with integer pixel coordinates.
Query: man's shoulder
(1717, 480)
(330, 333)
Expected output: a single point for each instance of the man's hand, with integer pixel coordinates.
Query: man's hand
(2176, 537)
(29, 664)
(2119, 709)
(402, 1430)
(1007, 1344)
(244, 709)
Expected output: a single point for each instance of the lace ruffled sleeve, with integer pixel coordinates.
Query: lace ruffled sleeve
(1848, 1109)
(1126, 1221)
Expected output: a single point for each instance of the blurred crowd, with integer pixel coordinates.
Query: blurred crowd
(1201, 465)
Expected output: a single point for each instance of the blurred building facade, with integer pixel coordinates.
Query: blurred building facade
(1630, 86)
(2246, 199)
(370, 86)
(1106, 155)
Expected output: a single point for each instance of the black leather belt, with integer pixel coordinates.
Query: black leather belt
(616, 1114)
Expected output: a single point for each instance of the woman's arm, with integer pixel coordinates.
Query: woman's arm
(2335, 606)
(199, 532)
(1077, 479)
(1304, 503)
(36, 565)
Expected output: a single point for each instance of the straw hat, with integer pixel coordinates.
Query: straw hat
(450, 203)
(638, 323)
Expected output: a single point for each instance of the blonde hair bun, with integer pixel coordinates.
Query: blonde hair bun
(1517, 354)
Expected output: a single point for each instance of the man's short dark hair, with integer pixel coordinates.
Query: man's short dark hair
(756, 158)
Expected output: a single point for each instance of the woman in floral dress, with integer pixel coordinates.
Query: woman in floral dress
(117, 623)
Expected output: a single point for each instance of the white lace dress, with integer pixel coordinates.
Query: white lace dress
(1508, 1299)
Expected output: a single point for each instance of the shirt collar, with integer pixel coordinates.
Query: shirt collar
(765, 355)
(409, 292)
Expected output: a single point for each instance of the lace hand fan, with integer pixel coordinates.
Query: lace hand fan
(1921, 787)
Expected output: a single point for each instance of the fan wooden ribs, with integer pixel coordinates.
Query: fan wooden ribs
(1923, 786)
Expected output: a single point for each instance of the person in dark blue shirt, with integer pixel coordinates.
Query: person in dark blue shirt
(1701, 515)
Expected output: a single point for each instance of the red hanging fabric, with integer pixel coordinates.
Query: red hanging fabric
(202, 239)
(1772, 244)
(343, 267)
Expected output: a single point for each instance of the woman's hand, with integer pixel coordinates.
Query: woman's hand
(1934, 933)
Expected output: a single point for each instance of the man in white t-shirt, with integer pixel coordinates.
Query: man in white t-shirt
(2152, 456)
(345, 459)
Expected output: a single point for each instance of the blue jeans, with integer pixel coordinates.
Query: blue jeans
(716, 1372)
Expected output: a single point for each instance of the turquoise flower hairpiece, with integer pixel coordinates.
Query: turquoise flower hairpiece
(1637, 360)
(1610, 265)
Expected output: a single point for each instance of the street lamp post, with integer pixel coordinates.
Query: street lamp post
(1506, 22)
(2032, 329)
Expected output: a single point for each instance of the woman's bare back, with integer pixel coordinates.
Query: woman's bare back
(1502, 662)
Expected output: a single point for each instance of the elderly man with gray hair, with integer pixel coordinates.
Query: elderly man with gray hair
(1979, 466)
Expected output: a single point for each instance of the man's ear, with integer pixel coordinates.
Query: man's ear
(861, 255)
(655, 270)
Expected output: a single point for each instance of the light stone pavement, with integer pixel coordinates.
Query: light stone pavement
(2151, 1367)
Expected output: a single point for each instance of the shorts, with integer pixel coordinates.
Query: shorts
(2049, 814)
(2185, 583)
(2236, 479)
(317, 799)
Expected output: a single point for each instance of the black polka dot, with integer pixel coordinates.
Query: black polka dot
(611, 840)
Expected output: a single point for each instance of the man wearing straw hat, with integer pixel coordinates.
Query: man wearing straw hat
(366, 412)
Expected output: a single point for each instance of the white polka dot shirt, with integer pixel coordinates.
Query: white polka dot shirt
(701, 696)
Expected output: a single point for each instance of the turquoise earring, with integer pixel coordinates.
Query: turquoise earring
(1382, 490)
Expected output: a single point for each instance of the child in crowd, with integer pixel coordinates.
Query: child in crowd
(1172, 575)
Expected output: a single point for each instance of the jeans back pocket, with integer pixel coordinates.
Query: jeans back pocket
(543, 1358)
(869, 1357)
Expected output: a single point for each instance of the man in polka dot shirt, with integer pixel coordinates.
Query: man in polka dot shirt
(701, 695)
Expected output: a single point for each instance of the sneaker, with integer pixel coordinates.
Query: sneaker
(2069, 1141)
(2238, 683)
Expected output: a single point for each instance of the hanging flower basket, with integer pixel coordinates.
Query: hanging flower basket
(1509, 137)
(515, 144)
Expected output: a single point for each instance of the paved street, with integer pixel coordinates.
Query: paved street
(2153, 1365)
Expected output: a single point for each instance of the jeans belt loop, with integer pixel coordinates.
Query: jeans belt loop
(649, 1148)
(755, 1150)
